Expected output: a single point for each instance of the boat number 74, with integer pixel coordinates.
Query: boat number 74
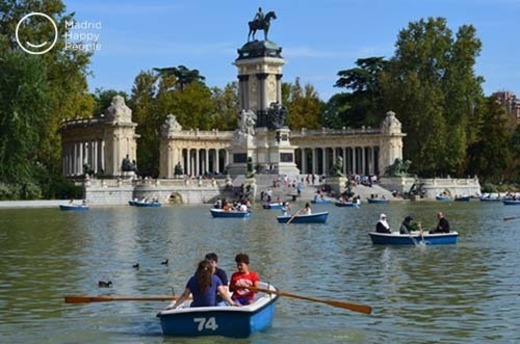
(206, 324)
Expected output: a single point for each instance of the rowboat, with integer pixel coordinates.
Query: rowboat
(462, 199)
(378, 200)
(511, 201)
(443, 198)
(273, 206)
(144, 204)
(227, 321)
(74, 207)
(300, 218)
(230, 213)
(321, 201)
(413, 238)
(346, 204)
(490, 199)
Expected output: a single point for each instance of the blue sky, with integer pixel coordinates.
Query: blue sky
(319, 38)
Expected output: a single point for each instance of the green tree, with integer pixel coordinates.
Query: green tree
(64, 69)
(103, 99)
(334, 113)
(154, 96)
(226, 106)
(304, 106)
(363, 105)
(184, 76)
(431, 85)
(24, 111)
(144, 113)
(490, 156)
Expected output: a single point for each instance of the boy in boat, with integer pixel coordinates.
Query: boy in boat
(220, 273)
(244, 277)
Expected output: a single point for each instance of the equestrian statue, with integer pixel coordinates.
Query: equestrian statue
(260, 22)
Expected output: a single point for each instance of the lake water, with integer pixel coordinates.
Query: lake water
(463, 293)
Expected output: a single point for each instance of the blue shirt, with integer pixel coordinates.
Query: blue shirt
(222, 275)
(207, 298)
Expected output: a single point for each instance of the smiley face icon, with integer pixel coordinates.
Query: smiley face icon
(36, 33)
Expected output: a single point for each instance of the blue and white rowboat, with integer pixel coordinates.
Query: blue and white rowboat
(378, 200)
(346, 204)
(227, 321)
(142, 204)
(312, 218)
(413, 238)
(511, 201)
(273, 206)
(321, 201)
(231, 213)
(443, 198)
(74, 207)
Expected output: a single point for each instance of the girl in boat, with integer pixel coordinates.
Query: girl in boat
(305, 210)
(204, 286)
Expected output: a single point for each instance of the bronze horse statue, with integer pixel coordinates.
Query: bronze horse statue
(255, 25)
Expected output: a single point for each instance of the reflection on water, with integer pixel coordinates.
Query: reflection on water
(456, 293)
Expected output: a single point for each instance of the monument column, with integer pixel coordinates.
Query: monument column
(262, 134)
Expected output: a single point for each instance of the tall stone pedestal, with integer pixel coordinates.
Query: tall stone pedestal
(274, 152)
(337, 184)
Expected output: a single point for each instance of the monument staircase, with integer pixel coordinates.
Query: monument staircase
(281, 192)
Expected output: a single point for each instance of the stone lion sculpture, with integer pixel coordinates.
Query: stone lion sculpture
(337, 169)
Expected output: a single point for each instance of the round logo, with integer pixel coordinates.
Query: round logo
(36, 33)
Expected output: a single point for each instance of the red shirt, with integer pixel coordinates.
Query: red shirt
(243, 280)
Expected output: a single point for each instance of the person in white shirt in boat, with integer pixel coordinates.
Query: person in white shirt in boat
(382, 225)
(285, 209)
(305, 210)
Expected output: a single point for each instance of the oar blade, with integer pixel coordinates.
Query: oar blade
(345, 305)
(350, 306)
(511, 218)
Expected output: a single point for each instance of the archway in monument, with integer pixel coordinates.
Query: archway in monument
(175, 198)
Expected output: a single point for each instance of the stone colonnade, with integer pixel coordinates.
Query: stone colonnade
(77, 153)
(101, 143)
(356, 160)
(364, 151)
(197, 152)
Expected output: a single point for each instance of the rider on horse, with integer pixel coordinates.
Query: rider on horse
(259, 16)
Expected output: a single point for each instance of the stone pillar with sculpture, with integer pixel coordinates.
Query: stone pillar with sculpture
(169, 163)
(120, 140)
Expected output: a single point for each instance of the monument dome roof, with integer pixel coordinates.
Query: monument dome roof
(259, 49)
